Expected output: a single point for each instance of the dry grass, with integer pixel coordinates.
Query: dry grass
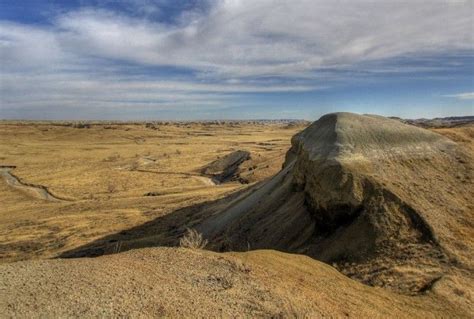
(193, 240)
(184, 283)
(95, 167)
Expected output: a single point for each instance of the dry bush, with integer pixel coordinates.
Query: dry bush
(192, 239)
(112, 158)
(134, 166)
(111, 188)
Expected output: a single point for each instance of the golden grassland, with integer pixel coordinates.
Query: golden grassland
(103, 173)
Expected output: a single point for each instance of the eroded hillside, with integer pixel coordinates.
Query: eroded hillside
(388, 204)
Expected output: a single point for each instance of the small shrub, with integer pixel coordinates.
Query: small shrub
(134, 166)
(112, 158)
(111, 188)
(192, 239)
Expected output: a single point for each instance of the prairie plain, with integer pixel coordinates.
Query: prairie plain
(111, 177)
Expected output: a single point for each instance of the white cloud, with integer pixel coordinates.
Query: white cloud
(262, 37)
(243, 38)
(462, 96)
(24, 47)
(238, 44)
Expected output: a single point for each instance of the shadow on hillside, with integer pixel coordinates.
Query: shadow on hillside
(163, 231)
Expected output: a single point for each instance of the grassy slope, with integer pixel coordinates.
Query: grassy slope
(185, 283)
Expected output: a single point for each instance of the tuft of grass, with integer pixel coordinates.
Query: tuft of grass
(117, 247)
(193, 240)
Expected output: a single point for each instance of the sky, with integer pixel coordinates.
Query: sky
(235, 59)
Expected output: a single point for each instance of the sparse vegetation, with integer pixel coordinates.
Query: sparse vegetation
(117, 247)
(193, 240)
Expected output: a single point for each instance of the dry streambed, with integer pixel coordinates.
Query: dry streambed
(37, 191)
(42, 192)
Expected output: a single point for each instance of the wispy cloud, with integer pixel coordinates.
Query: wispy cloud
(263, 38)
(462, 96)
(83, 56)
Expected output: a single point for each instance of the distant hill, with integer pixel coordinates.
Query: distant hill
(440, 122)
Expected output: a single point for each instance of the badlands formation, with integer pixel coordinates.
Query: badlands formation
(372, 218)
(386, 203)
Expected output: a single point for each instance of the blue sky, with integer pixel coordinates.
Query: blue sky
(231, 59)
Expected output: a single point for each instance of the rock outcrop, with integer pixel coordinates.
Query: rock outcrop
(384, 202)
(226, 168)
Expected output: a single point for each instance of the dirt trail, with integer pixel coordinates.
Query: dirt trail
(203, 179)
(37, 191)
